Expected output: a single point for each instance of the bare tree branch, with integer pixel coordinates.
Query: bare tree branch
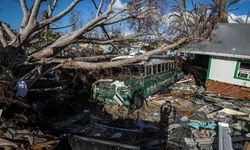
(102, 27)
(101, 42)
(9, 31)
(99, 8)
(51, 8)
(70, 38)
(24, 6)
(25, 14)
(117, 20)
(2, 38)
(60, 15)
(34, 11)
(111, 20)
(110, 41)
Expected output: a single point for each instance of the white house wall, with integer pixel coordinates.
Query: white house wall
(223, 70)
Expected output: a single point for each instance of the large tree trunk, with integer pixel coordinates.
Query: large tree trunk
(104, 65)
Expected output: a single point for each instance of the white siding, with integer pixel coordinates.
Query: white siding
(223, 70)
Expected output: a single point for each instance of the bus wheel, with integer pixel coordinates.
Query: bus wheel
(138, 100)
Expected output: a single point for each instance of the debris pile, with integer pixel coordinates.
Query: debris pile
(212, 122)
(14, 137)
(198, 120)
(181, 116)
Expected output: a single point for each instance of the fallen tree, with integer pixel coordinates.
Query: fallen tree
(16, 45)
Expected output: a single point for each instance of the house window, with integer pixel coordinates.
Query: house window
(243, 70)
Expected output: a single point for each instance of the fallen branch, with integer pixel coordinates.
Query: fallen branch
(104, 65)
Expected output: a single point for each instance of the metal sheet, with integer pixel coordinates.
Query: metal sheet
(227, 40)
(225, 142)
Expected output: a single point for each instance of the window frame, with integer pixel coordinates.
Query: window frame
(237, 68)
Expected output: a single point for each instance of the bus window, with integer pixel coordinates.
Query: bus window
(154, 69)
(141, 70)
(136, 70)
(159, 68)
(164, 67)
(149, 70)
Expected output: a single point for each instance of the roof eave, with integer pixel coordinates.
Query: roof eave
(218, 54)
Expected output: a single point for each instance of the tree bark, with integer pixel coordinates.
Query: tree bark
(2, 38)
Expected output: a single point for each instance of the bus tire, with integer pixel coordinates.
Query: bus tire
(138, 100)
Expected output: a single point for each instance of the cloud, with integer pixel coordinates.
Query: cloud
(234, 17)
(118, 5)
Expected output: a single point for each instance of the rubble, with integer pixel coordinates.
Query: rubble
(179, 117)
(14, 137)
(193, 111)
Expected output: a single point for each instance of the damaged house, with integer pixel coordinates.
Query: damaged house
(228, 72)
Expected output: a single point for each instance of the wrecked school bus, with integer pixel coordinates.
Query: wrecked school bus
(137, 81)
